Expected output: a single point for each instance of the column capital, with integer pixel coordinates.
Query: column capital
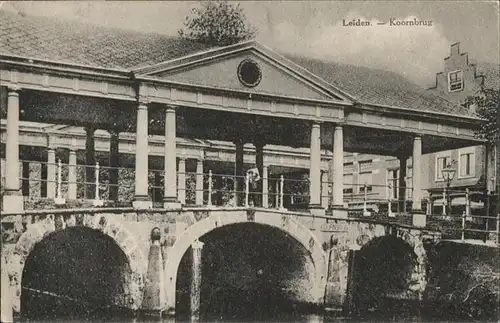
(13, 90)
(417, 137)
(51, 145)
(170, 108)
(143, 103)
(182, 158)
(90, 129)
(114, 132)
(338, 126)
(197, 244)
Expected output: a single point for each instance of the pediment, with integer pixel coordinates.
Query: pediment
(247, 67)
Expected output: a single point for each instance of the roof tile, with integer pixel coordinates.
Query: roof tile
(80, 43)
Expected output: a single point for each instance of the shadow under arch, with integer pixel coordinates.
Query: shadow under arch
(73, 273)
(106, 225)
(386, 278)
(284, 223)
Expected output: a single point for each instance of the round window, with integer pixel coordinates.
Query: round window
(249, 73)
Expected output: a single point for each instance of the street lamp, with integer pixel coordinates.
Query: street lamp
(448, 174)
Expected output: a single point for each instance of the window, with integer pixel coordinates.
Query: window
(365, 178)
(466, 163)
(348, 181)
(409, 183)
(393, 182)
(365, 166)
(348, 167)
(441, 163)
(455, 81)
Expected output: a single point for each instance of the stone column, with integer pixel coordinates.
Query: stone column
(197, 248)
(265, 187)
(338, 168)
(170, 182)
(324, 189)
(90, 164)
(12, 199)
(154, 300)
(314, 168)
(239, 181)
(259, 162)
(51, 171)
(181, 176)
(402, 184)
(199, 182)
(114, 162)
(141, 198)
(418, 216)
(158, 196)
(72, 185)
(416, 166)
(43, 178)
(26, 178)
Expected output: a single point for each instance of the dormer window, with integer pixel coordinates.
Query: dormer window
(456, 81)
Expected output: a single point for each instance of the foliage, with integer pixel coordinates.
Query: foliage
(217, 23)
(487, 107)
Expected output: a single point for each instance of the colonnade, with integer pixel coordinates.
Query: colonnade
(174, 194)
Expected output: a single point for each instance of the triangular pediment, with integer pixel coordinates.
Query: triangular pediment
(249, 67)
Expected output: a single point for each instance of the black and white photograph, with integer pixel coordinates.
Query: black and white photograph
(250, 161)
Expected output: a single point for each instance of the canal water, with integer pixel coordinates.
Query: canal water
(260, 313)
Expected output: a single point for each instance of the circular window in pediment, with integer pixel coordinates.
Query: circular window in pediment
(249, 73)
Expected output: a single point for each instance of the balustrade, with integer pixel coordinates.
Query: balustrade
(464, 220)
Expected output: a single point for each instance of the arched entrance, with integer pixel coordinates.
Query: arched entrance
(248, 271)
(386, 278)
(76, 272)
(250, 237)
(104, 239)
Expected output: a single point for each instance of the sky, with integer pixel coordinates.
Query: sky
(316, 28)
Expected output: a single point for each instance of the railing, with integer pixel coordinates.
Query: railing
(58, 183)
(63, 182)
(472, 218)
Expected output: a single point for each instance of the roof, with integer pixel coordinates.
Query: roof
(97, 46)
(378, 87)
(86, 44)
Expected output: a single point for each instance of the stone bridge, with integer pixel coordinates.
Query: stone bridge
(147, 249)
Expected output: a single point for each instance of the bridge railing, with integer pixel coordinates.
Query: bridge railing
(463, 214)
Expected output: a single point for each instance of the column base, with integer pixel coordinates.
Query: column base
(171, 203)
(337, 211)
(419, 218)
(59, 201)
(316, 209)
(157, 313)
(97, 202)
(142, 202)
(12, 202)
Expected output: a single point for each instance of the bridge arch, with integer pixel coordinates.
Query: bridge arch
(106, 225)
(282, 222)
(408, 239)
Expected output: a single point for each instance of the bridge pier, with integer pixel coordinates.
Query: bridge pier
(6, 314)
(154, 300)
(195, 296)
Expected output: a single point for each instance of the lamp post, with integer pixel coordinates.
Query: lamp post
(448, 174)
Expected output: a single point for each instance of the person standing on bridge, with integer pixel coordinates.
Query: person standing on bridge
(253, 178)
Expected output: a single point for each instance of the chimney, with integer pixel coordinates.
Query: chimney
(455, 49)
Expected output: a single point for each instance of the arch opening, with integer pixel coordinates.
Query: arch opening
(77, 272)
(249, 271)
(383, 279)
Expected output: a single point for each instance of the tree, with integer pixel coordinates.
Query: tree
(217, 23)
(487, 104)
